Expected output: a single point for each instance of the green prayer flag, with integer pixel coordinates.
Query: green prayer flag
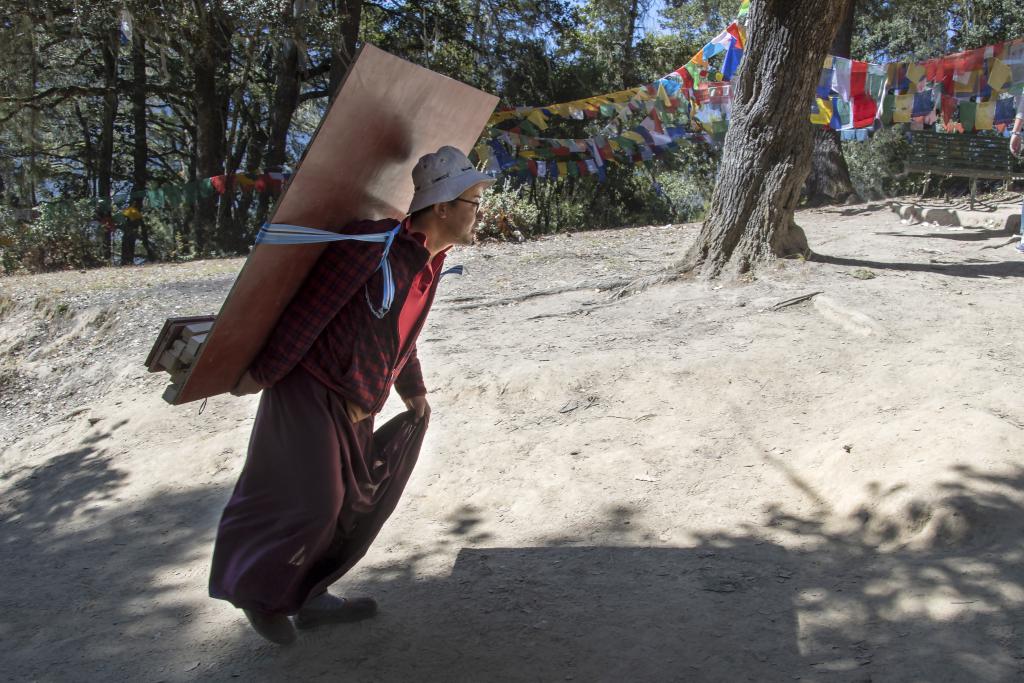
(156, 198)
(968, 113)
(888, 107)
(694, 70)
(875, 84)
(172, 194)
(845, 112)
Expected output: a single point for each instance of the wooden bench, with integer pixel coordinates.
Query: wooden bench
(963, 155)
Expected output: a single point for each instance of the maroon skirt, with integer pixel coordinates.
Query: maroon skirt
(313, 495)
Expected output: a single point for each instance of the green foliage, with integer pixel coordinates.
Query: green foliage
(876, 166)
(689, 180)
(57, 87)
(629, 196)
(505, 210)
(698, 21)
(63, 235)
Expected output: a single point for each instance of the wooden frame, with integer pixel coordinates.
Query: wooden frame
(387, 114)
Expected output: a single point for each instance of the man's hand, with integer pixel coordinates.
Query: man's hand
(1015, 144)
(246, 385)
(419, 405)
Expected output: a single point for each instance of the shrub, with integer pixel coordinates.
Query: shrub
(504, 210)
(56, 236)
(876, 166)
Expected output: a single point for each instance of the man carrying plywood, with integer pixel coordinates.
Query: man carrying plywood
(313, 482)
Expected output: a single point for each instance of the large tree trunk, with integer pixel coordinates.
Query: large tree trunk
(211, 103)
(343, 51)
(104, 172)
(257, 144)
(286, 99)
(829, 180)
(140, 150)
(768, 146)
(628, 76)
(282, 108)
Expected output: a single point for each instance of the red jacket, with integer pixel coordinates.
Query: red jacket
(328, 327)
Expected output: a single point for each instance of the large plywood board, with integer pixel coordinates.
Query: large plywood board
(387, 114)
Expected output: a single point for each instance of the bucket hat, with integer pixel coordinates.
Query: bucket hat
(442, 176)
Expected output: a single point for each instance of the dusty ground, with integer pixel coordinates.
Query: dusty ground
(686, 485)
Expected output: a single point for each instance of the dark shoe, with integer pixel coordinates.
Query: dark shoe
(276, 628)
(330, 609)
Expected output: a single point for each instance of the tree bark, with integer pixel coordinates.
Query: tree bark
(140, 150)
(104, 174)
(286, 99)
(829, 179)
(253, 162)
(768, 147)
(211, 103)
(628, 58)
(343, 52)
(282, 108)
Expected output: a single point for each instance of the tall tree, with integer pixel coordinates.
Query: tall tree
(211, 96)
(829, 179)
(108, 48)
(612, 27)
(768, 146)
(140, 152)
(347, 14)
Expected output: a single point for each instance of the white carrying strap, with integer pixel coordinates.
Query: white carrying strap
(282, 233)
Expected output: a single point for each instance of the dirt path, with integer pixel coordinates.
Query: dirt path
(686, 485)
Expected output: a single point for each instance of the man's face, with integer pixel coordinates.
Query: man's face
(464, 213)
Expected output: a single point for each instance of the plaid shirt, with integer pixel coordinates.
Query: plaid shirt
(329, 329)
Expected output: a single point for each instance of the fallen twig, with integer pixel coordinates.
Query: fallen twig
(792, 302)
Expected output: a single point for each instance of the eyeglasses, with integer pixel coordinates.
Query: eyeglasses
(476, 205)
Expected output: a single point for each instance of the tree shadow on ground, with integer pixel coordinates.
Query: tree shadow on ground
(859, 210)
(823, 605)
(981, 235)
(87, 595)
(965, 269)
(102, 588)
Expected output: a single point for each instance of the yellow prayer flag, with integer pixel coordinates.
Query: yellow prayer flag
(892, 72)
(998, 74)
(985, 118)
(634, 136)
(904, 108)
(663, 96)
(537, 119)
(824, 113)
(967, 82)
(563, 170)
(915, 72)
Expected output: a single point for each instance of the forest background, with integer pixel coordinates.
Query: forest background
(104, 100)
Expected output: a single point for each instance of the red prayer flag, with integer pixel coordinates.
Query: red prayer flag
(222, 183)
(735, 31)
(949, 105)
